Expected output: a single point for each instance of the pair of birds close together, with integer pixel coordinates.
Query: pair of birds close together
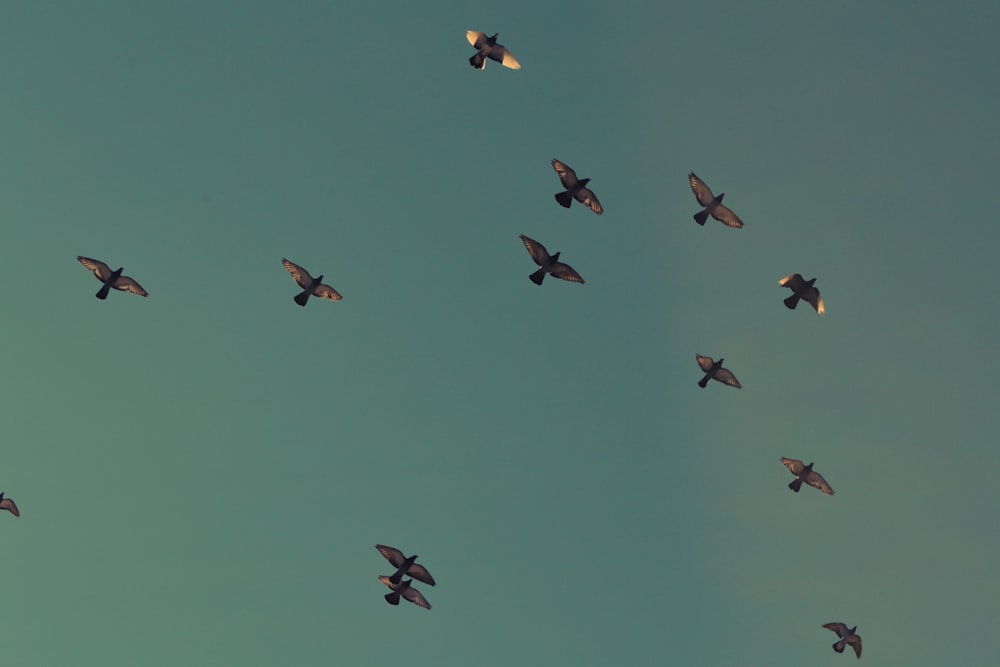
(405, 565)
(310, 286)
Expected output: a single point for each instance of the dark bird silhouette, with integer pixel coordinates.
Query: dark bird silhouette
(549, 263)
(715, 371)
(404, 565)
(805, 473)
(405, 590)
(802, 289)
(110, 278)
(847, 636)
(575, 189)
(713, 205)
(310, 286)
(487, 47)
(8, 504)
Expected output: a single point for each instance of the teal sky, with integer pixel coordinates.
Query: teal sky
(203, 474)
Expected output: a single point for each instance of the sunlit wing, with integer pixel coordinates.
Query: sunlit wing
(839, 628)
(10, 506)
(536, 250)
(792, 282)
(855, 642)
(794, 465)
(414, 596)
(474, 37)
(724, 215)
(701, 191)
(394, 556)
(566, 175)
(327, 292)
(565, 272)
(126, 284)
(504, 57)
(300, 275)
(100, 269)
(815, 479)
(589, 199)
(813, 298)
(704, 362)
(725, 376)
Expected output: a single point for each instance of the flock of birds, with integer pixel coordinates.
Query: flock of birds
(576, 188)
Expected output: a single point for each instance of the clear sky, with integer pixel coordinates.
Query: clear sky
(203, 474)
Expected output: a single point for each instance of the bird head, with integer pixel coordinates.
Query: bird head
(851, 631)
(493, 39)
(584, 181)
(555, 256)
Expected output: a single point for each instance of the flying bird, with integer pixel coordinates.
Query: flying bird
(715, 371)
(549, 263)
(805, 473)
(404, 565)
(405, 590)
(713, 205)
(8, 504)
(802, 289)
(487, 47)
(575, 189)
(110, 278)
(310, 286)
(847, 636)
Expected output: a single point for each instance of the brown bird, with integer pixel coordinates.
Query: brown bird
(487, 47)
(310, 286)
(575, 189)
(713, 205)
(805, 473)
(715, 371)
(110, 278)
(802, 289)
(405, 590)
(8, 504)
(549, 263)
(847, 636)
(404, 565)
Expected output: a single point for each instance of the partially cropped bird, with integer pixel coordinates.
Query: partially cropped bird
(713, 205)
(404, 565)
(805, 473)
(549, 263)
(487, 47)
(847, 636)
(802, 289)
(715, 371)
(405, 590)
(576, 188)
(110, 278)
(8, 504)
(310, 286)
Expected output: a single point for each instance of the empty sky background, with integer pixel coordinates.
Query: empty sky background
(203, 474)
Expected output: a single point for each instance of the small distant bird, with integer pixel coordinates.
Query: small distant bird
(310, 286)
(487, 47)
(575, 189)
(713, 205)
(802, 289)
(110, 278)
(805, 473)
(8, 504)
(404, 565)
(715, 371)
(847, 636)
(549, 263)
(405, 590)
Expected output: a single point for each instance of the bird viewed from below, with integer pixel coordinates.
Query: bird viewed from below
(110, 278)
(8, 504)
(405, 590)
(404, 565)
(805, 473)
(802, 289)
(575, 189)
(847, 636)
(310, 286)
(713, 205)
(487, 47)
(715, 371)
(549, 263)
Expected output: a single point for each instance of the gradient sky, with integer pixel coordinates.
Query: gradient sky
(203, 474)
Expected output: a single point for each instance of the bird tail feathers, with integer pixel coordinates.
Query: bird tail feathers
(478, 61)
(393, 599)
(564, 199)
(701, 217)
(795, 485)
(839, 646)
(704, 382)
(792, 301)
(103, 292)
(301, 298)
(538, 276)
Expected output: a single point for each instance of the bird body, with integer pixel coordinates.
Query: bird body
(712, 204)
(487, 47)
(802, 289)
(576, 188)
(805, 473)
(848, 636)
(548, 263)
(310, 286)
(715, 371)
(405, 590)
(110, 278)
(404, 565)
(9, 505)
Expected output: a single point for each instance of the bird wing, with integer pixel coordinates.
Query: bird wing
(725, 215)
(100, 269)
(701, 191)
(816, 479)
(536, 250)
(704, 362)
(725, 376)
(813, 298)
(8, 504)
(855, 642)
(301, 276)
(589, 199)
(327, 292)
(414, 596)
(794, 465)
(503, 56)
(126, 284)
(475, 38)
(566, 174)
(565, 272)
(792, 282)
(394, 556)
(420, 573)
(839, 628)
(387, 580)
